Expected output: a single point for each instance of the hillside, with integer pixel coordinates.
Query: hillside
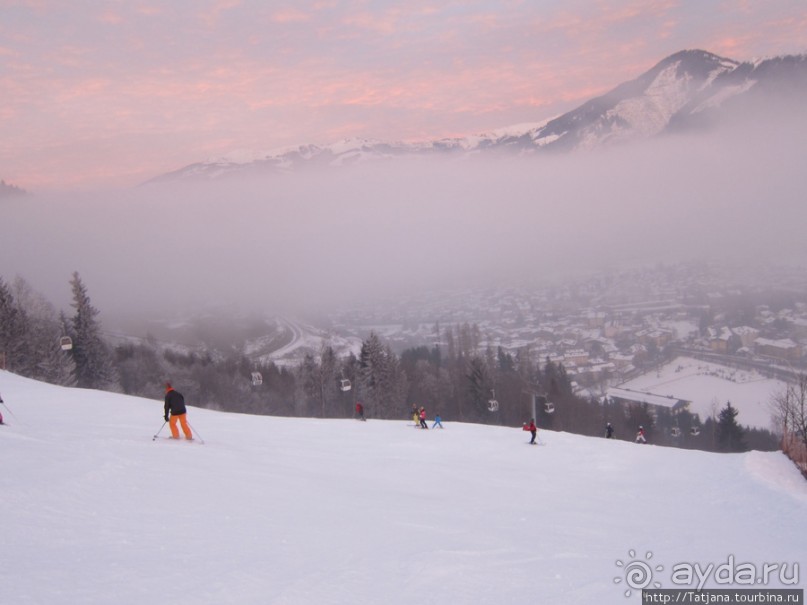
(298, 511)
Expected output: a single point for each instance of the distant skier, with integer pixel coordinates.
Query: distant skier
(415, 415)
(609, 431)
(175, 405)
(640, 436)
(360, 411)
(532, 429)
(423, 424)
(1, 415)
(438, 421)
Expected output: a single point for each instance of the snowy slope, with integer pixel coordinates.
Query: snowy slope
(298, 511)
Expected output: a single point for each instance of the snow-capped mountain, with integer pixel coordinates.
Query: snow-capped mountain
(688, 90)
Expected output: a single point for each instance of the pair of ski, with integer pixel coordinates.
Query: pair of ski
(157, 435)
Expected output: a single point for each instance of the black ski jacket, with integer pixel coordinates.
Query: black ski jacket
(175, 403)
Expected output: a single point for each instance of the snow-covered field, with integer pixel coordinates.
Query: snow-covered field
(304, 511)
(709, 386)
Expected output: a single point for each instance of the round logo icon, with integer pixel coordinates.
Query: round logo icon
(638, 573)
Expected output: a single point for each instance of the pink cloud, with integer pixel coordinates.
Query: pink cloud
(385, 24)
(275, 76)
(211, 15)
(110, 17)
(150, 11)
(290, 15)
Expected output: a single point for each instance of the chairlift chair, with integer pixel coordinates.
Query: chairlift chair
(344, 385)
(66, 343)
(549, 407)
(257, 379)
(694, 431)
(676, 432)
(493, 405)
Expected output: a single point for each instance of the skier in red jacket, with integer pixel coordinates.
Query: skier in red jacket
(640, 435)
(532, 429)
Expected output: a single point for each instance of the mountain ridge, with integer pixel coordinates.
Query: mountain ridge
(688, 90)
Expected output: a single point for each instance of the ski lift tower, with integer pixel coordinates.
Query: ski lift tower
(538, 398)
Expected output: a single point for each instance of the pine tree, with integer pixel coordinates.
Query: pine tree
(14, 327)
(308, 385)
(372, 366)
(730, 435)
(94, 367)
(478, 384)
(328, 382)
(396, 386)
(382, 381)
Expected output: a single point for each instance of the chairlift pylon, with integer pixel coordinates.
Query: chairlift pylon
(541, 400)
(66, 343)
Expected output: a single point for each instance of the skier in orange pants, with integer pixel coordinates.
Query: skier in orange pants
(175, 405)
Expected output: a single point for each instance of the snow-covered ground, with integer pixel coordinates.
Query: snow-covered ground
(304, 511)
(709, 386)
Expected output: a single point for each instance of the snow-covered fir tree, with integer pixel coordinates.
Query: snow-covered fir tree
(48, 362)
(14, 348)
(383, 384)
(93, 359)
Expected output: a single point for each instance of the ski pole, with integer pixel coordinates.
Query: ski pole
(195, 432)
(9, 410)
(158, 432)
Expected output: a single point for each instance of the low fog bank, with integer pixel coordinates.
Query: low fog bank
(304, 242)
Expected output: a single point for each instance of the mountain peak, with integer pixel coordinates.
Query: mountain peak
(683, 89)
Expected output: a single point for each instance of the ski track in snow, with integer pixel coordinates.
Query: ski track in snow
(297, 511)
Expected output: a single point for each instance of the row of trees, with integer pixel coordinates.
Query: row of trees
(790, 412)
(30, 329)
(459, 379)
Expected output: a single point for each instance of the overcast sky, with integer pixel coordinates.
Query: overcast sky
(99, 94)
